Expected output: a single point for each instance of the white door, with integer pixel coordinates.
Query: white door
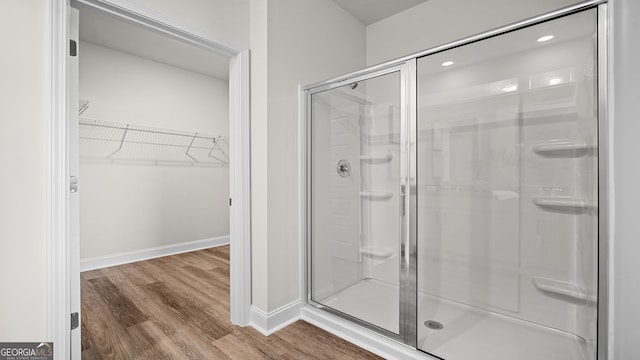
(74, 169)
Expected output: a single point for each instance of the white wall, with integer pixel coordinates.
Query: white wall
(23, 178)
(227, 20)
(132, 207)
(438, 22)
(626, 244)
(259, 144)
(129, 89)
(306, 41)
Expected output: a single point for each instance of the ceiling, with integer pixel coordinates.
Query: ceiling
(370, 11)
(99, 28)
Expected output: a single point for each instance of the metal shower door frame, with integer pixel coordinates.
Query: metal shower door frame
(407, 64)
(408, 254)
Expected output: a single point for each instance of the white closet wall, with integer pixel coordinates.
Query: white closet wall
(126, 208)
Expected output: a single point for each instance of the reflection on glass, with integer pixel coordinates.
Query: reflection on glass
(355, 185)
(507, 189)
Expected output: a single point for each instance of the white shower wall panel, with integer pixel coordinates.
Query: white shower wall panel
(380, 128)
(486, 124)
(469, 244)
(339, 197)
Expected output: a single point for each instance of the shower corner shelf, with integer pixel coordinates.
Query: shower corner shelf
(376, 253)
(376, 195)
(563, 149)
(565, 204)
(370, 159)
(562, 289)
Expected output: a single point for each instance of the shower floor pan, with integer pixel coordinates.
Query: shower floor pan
(467, 332)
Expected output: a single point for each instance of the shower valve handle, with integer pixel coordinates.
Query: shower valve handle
(343, 168)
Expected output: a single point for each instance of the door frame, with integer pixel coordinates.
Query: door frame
(59, 242)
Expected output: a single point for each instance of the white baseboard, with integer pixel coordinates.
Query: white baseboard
(100, 262)
(366, 339)
(268, 323)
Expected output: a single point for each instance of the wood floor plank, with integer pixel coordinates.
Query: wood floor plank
(199, 261)
(146, 339)
(108, 336)
(127, 313)
(191, 314)
(128, 280)
(214, 302)
(217, 255)
(177, 307)
(213, 289)
(323, 345)
(233, 346)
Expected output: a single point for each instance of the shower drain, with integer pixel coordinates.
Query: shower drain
(434, 325)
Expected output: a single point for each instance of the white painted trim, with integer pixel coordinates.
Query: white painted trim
(100, 262)
(611, 237)
(240, 188)
(364, 338)
(142, 16)
(302, 193)
(268, 323)
(58, 301)
(58, 279)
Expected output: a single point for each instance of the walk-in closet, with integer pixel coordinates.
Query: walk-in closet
(153, 144)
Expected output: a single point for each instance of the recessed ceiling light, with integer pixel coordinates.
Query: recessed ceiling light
(447, 63)
(545, 38)
(510, 88)
(555, 81)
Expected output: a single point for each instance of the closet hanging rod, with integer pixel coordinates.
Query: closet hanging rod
(149, 143)
(89, 122)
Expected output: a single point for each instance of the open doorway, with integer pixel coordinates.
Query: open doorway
(154, 173)
(229, 152)
(154, 143)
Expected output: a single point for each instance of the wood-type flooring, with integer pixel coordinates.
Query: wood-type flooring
(177, 307)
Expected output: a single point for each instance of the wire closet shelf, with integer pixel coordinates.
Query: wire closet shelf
(111, 142)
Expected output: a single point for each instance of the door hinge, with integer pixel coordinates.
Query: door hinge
(73, 48)
(229, 201)
(73, 184)
(75, 320)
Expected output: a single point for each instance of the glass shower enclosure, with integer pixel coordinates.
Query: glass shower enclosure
(453, 196)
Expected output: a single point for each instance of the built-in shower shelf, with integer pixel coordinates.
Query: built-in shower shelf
(376, 195)
(563, 149)
(376, 159)
(562, 289)
(565, 204)
(376, 253)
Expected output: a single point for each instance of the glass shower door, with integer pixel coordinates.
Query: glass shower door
(507, 195)
(356, 176)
